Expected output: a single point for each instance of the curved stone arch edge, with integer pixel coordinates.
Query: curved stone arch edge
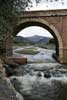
(51, 27)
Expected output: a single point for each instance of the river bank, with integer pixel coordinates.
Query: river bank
(32, 81)
(7, 91)
(31, 85)
(41, 78)
(38, 80)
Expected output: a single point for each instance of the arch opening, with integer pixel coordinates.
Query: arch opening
(31, 31)
(45, 25)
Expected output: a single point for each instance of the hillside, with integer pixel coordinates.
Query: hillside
(35, 38)
(32, 39)
(45, 40)
(39, 39)
(21, 40)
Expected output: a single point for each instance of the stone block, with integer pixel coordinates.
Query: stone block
(20, 60)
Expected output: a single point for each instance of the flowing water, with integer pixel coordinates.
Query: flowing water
(41, 81)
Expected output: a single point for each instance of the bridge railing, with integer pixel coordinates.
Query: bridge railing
(44, 13)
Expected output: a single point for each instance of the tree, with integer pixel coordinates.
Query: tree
(9, 8)
(52, 41)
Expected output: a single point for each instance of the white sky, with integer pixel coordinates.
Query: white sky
(34, 30)
(44, 5)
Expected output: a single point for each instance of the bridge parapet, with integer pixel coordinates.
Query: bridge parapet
(44, 13)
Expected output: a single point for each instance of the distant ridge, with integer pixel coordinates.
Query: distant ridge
(37, 38)
(32, 39)
(21, 39)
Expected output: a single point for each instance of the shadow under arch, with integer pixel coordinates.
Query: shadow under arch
(44, 24)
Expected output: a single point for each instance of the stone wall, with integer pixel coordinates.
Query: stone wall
(55, 21)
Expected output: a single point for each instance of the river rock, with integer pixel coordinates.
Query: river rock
(11, 63)
(47, 74)
(57, 74)
(9, 70)
(19, 96)
(20, 60)
(2, 70)
(39, 74)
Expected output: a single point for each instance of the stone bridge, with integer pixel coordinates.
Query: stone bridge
(55, 21)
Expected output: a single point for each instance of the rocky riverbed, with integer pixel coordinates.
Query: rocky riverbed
(41, 80)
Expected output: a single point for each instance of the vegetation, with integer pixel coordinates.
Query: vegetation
(8, 9)
(20, 41)
(41, 45)
(44, 45)
(30, 51)
(45, 42)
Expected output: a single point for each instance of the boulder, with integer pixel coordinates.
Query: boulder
(9, 71)
(39, 74)
(11, 63)
(47, 75)
(2, 70)
(14, 62)
(19, 96)
(20, 60)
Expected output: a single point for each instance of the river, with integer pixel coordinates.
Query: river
(44, 55)
(41, 81)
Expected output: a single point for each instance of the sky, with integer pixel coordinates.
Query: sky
(43, 5)
(34, 30)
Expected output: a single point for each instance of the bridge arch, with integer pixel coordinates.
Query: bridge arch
(44, 24)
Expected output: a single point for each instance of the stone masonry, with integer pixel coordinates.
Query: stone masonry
(55, 21)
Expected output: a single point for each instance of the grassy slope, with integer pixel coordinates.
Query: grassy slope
(31, 51)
